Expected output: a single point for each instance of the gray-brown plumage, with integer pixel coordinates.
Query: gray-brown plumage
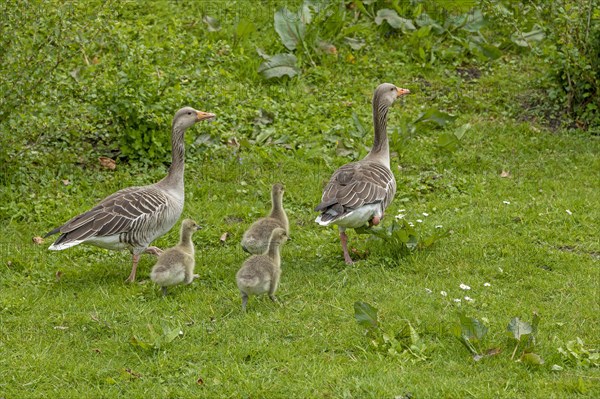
(135, 216)
(176, 265)
(260, 273)
(359, 192)
(256, 238)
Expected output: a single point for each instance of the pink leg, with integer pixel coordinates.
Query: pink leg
(154, 251)
(131, 278)
(344, 241)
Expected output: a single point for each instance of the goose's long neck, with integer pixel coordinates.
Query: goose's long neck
(185, 241)
(277, 211)
(274, 253)
(381, 150)
(174, 178)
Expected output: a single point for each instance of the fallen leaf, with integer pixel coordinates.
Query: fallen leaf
(199, 381)
(96, 350)
(505, 173)
(58, 275)
(493, 351)
(224, 237)
(37, 240)
(66, 182)
(9, 263)
(107, 163)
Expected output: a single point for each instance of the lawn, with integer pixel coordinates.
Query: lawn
(516, 195)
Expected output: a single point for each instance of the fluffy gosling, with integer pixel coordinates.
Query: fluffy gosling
(256, 238)
(260, 273)
(176, 265)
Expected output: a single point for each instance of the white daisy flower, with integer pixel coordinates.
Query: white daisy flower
(506, 202)
(427, 290)
(469, 299)
(464, 287)
(487, 285)
(457, 300)
(419, 221)
(443, 293)
(425, 214)
(569, 212)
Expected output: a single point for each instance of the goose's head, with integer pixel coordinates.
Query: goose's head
(387, 93)
(278, 189)
(190, 225)
(187, 116)
(278, 236)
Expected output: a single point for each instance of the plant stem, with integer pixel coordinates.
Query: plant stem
(515, 351)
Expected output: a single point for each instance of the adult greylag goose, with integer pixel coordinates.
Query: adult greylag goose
(256, 238)
(359, 192)
(260, 273)
(176, 265)
(133, 217)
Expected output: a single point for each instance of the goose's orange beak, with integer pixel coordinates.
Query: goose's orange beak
(403, 92)
(201, 116)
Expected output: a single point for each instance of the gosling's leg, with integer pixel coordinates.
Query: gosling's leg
(344, 241)
(164, 291)
(244, 301)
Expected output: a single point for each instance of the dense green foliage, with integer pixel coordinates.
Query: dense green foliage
(483, 280)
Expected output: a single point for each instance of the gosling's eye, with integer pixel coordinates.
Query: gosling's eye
(392, 89)
(189, 113)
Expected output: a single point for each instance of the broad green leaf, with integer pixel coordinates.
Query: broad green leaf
(460, 132)
(355, 43)
(278, 66)
(290, 28)
(243, 29)
(365, 315)
(212, 23)
(425, 20)
(519, 328)
(524, 39)
(435, 115)
(394, 20)
(472, 328)
(490, 51)
(475, 21)
(532, 359)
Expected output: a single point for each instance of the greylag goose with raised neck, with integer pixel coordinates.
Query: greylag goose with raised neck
(133, 217)
(359, 192)
(176, 265)
(260, 273)
(256, 238)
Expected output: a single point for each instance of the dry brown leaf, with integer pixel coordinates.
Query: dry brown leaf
(37, 240)
(224, 237)
(66, 182)
(107, 163)
(58, 275)
(505, 173)
(199, 381)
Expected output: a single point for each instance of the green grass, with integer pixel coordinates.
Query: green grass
(67, 319)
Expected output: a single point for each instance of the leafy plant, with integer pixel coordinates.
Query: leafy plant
(405, 343)
(576, 354)
(403, 238)
(156, 340)
(471, 332)
(517, 329)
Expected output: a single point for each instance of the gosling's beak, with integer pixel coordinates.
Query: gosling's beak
(403, 92)
(202, 116)
(198, 227)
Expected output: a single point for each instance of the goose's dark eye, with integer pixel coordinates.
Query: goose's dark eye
(189, 113)
(392, 89)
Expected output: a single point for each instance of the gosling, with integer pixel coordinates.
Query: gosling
(260, 273)
(256, 238)
(176, 265)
